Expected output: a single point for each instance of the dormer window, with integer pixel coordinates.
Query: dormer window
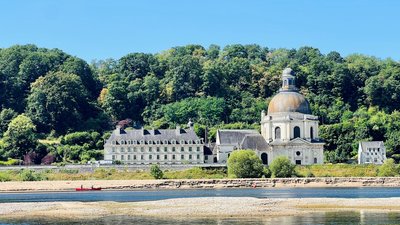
(173, 142)
(182, 142)
(142, 142)
(165, 142)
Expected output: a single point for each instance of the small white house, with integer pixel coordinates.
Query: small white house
(371, 152)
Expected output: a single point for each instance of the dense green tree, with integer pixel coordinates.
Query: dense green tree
(244, 164)
(282, 167)
(20, 137)
(58, 101)
(6, 115)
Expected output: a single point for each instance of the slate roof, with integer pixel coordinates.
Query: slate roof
(371, 144)
(233, 137)
(154, 135)
(254, 141)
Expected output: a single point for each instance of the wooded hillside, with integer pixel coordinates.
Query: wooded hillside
(46, 93)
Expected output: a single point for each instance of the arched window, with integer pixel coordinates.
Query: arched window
(277, 133)
(296, 132)
(264, 158)
(285, 83)
(311, 133)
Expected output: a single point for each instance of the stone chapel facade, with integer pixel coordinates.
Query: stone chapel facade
(288, 129)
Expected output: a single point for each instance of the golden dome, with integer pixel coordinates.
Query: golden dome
(289, 101)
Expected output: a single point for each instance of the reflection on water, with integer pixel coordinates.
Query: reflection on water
(331, 218)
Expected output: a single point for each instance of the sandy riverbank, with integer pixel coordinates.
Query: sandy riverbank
(200, 183)
(196, 207)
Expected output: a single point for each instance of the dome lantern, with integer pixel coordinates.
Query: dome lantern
(288, 80)
(288, 100)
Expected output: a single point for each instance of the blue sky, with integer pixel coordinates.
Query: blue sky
(111, 28)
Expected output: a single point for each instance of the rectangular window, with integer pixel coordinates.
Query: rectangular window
(112, 149)
(158, 149)
(122, 150)
(198, 156)
(158, 156)
(129, 157)
(173, 156)
(150, 149)
(113, 157)
(165, 157)
(134, 149)
(190, 156)
(315, 160)
(173, 149)
(165, 149)
(141, 157)
(198, 148)
(129, 149)
(122, 157)
(182, 149)
(182, 156)
(142, 149)
(150, 157)
(190, 149)
(134, 157)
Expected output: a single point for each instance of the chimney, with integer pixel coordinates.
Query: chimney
(118, 130)
(190, 124)
(178, 130)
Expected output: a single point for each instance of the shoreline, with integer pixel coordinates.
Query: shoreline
(51, 186)
(219, 207)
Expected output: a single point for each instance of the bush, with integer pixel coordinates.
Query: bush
(282, 167)
(30, 175)
(388, 169)
(266, 172)
(4, 176)
(156, 172)
(10, 162)
(245, 164)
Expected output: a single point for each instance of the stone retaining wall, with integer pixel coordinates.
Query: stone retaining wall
(266, 183)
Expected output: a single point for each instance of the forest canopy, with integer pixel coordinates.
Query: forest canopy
(356, 97)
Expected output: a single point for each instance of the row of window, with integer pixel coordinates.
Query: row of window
(155, 149)
(153, 157)
(296, 132)
(375, 160)
(373, 149)
(157, 142)
(376, 153)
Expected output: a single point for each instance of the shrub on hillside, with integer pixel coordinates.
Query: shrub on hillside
(245, 164)
(388, 169)
(282, 167)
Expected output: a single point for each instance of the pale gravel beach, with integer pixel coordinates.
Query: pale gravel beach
(197, 207)
(15, 186)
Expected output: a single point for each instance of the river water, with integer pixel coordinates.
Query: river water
(152, 195)
(329, 218)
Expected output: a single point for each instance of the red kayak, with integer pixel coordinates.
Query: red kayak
(88, 189)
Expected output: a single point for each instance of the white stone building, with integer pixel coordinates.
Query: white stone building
(371, 152)
(288, 129)
(160, 146)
